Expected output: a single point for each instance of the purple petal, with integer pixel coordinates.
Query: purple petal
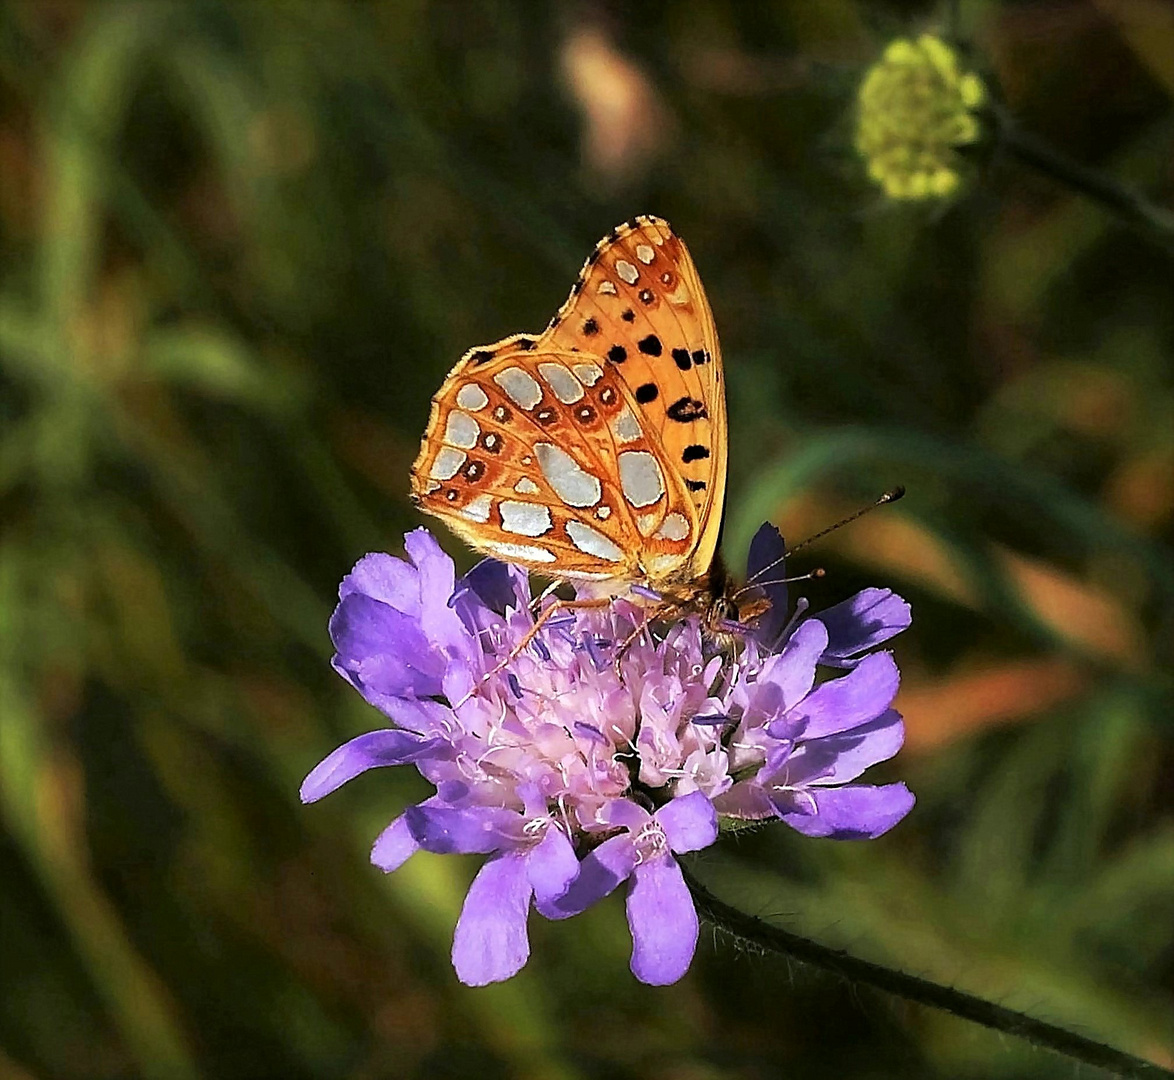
(837, 759)
(498, 586)
(767, 547)
(447, 829)
(689, 822)
(854, 812)
(851, 700)
(552, 865)
(394, 846)
(862, 622)
(370, 751)
(386, 650)
(490, 943)
(663, 922)
(385, 578)
(440, 623)
(793, 670)
(599, 873)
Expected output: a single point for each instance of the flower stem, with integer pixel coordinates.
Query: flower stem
(773, 939)
(1147, 217)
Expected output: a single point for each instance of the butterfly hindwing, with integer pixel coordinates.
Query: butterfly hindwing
(596, 451)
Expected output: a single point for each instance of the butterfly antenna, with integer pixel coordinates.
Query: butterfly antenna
(818, 572)
(890, 496)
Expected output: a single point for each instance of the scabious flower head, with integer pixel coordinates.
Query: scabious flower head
(600, 751)
(915, 107)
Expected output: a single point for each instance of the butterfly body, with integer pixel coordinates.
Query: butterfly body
(594, 452)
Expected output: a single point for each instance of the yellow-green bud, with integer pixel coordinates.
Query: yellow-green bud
(915, 106)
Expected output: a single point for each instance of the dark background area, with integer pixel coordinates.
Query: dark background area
(240, 246)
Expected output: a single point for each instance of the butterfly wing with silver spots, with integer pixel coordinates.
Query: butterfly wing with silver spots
(598, 450)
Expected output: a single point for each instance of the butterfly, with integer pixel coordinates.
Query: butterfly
(595, 451)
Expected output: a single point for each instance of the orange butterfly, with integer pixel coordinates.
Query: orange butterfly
(596, 451)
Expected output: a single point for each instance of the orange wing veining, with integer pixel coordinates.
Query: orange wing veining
(598, 450)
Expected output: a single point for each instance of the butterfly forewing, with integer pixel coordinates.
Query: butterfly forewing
(598, 450)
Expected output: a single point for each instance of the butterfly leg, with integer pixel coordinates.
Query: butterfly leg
(543, 617)
(663, 609)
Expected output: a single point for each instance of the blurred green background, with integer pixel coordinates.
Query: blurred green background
(241, 244)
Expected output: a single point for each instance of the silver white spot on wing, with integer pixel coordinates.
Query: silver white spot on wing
(660, 565)
(675, 527)
(640, 477)
(590, 542)
(526, 486)
(526, 552)
(478, 509)
(431, 486)
(461, 430)
(526, 519)
(645, 254)
(608, 288)
(520, 387)
(603, 513)
(447, 462)
(627, 272)
(645, 523)
(588, 374)
(566, 387)
(624, 426)
(472, 397)
(572, 484)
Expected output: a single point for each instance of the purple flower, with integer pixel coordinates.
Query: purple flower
(594, 756)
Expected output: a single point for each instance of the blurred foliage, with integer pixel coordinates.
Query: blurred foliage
(240, 245)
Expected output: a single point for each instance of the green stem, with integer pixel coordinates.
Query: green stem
(1134, 209)
(772, 939)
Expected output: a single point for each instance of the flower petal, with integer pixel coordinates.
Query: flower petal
(663, 922)
(599, 873)
(490, 943)
(689, 822)
(499, 587)
(851, 700)
(862, 622)
(448, 829)
(793, 669)
(837, 759)
(551, 865)
(370, 751)
(395, 846)
(385, 649)
(853, 812)
(440, 623)
(385, 578)
(766, 550)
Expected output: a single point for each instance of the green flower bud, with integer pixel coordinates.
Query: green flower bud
(915, 106)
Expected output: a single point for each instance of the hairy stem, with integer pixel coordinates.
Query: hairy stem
(769, 938)
(1156, 222)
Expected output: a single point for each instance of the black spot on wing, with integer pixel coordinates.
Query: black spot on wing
(650, 345)
(686, 409)
(617, 354)
(591, 327)
(647, 392)
(681, 358)
(696, 452)
(695, 485)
